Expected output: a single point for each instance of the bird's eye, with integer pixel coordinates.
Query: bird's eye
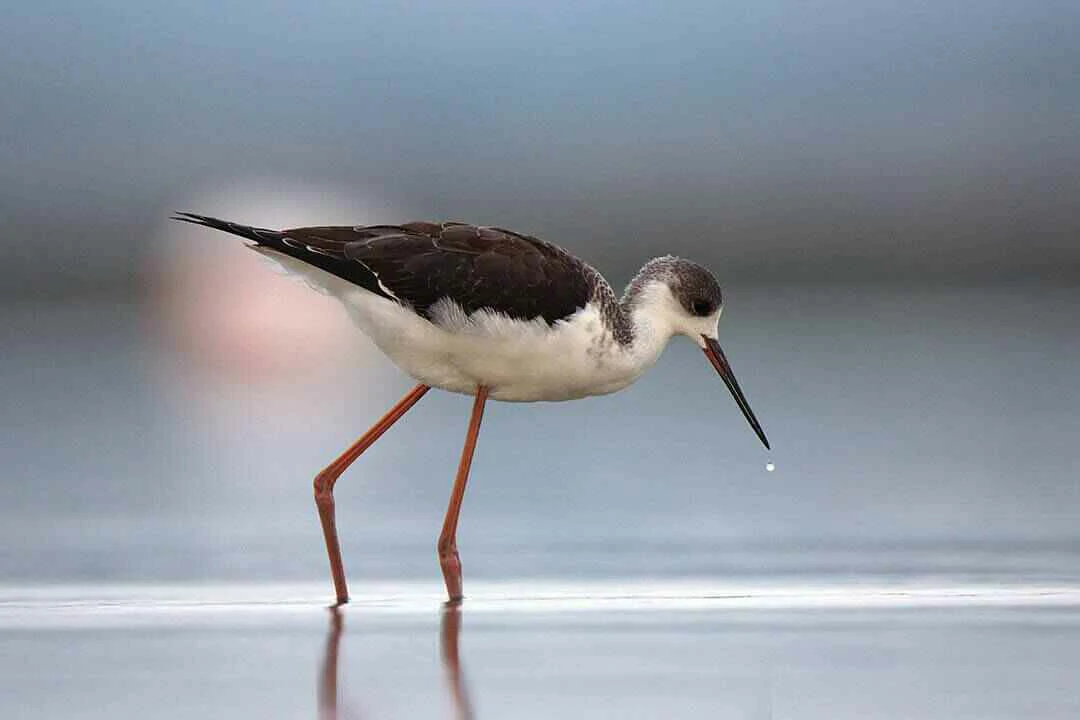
(701, 308)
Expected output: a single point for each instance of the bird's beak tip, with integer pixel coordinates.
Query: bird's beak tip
(723, 368)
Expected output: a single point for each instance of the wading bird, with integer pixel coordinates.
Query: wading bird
(490, 313)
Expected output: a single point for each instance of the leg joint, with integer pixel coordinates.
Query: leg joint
(324, 485)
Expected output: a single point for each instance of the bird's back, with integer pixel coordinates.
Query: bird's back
(420, 264)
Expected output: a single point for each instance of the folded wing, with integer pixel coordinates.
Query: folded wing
(420, 263)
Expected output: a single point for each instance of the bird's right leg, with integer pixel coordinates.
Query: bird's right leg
(324, 485)
(447, 545)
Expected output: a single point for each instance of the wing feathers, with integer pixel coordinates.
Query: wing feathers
(421, 263)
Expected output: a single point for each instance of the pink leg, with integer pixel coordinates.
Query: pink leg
(324, 485)
(447, 547)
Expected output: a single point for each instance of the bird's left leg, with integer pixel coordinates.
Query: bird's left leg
(325, 480)
(447, 547)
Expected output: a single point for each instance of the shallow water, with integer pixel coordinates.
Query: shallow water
(914, 553)
(527, 649)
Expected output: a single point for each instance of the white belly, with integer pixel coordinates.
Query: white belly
(517, 360)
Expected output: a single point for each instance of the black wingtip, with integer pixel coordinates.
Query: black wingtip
(259, 235)
(196, 219)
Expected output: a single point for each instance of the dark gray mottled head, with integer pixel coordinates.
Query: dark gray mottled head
(693, 287)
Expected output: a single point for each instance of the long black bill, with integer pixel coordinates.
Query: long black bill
(723, 367)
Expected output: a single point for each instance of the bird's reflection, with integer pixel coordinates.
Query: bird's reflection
(449, 640)
(328, 674)
(449, 636)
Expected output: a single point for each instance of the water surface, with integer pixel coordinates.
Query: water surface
(914, 554)
(523, 650)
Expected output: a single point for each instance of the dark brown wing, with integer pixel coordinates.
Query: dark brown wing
(420, 263)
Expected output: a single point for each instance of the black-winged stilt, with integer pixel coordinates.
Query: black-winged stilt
(490, 313)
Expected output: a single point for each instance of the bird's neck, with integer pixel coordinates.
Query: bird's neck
(649, 330)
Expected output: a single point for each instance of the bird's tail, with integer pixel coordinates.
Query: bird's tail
(294, 257)
(261, 236)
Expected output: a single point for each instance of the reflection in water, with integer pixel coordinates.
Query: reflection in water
(449, 644)
(329, 702)
(328, 675)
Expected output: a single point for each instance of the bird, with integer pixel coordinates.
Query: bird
(493, 314)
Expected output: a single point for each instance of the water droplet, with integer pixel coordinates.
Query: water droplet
(769, 466)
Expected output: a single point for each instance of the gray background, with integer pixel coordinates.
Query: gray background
(933, 141)
(887, 192)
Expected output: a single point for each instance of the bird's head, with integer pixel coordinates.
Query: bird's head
(680, 297)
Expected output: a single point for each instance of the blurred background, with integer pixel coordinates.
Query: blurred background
(887, 191)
